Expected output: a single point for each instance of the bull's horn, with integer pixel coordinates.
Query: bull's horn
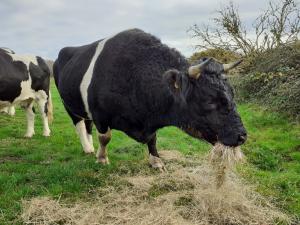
(195, 71)
(230, 66)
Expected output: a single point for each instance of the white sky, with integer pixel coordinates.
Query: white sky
(43, 27)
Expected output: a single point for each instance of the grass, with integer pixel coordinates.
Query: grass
(273, 151)
(57, 167)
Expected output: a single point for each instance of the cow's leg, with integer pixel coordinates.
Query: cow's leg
(42, 103)
(154, 159)
(11, 110)
(30, 118)
(89, 127)
(81, 131)
(4, 110)
(104, 139)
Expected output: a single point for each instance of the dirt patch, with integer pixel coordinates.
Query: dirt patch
(5, 159)
(141, 182)
(183, 196)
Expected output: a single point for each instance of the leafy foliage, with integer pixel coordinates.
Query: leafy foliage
(220, 54)
(273, 79)
(277, 25)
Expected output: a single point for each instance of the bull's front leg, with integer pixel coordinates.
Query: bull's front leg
(154, 159)
(83, 135)
(104, 139)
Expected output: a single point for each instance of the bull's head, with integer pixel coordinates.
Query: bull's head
(209, 109)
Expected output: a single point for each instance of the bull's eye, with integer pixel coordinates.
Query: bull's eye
(210, 105)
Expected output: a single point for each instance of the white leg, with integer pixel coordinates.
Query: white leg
(81, 130)
(156, 163)
(30, 121)
(4, 110)
(90, 138)
(104, 139)
(11, 111)
(42, 105)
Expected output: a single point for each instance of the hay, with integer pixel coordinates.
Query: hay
(184, 196)
(223, 158)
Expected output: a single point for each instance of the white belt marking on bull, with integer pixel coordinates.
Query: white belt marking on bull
(87, 77)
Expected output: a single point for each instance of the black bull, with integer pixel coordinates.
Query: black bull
(134, 83)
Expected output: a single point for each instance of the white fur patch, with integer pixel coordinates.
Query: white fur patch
(26, 59)
(87, 77)
(90, 138)
(81, 130)
(10, 110)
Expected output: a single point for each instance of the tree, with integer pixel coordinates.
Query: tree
(279, 24)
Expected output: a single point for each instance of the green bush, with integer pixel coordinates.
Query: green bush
(224, 56)
(272, 79)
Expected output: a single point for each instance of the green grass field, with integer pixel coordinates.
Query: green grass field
(57, 167)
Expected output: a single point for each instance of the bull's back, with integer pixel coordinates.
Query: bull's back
(69, 69)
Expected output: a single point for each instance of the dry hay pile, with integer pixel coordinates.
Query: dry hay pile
(222, 159)
(186, 195)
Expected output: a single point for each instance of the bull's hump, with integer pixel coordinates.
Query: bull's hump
(87, 77)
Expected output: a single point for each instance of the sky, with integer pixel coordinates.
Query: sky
(43, 27)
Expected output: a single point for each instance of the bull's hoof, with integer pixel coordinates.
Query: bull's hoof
(46, 133)
(103, 160)
(29, 135)
(157, 163)
(89, 150)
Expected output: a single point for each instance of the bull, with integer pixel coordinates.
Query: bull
(133, 83)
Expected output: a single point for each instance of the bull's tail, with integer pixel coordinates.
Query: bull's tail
(50, 108)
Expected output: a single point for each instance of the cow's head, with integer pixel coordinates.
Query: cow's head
(209, 109)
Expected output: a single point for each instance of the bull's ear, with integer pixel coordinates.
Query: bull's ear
(173, 78)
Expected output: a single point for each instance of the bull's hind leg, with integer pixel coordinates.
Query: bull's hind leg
(42, 103)
(89, 128)
(154, 159)
(28, 105)
(81, 130)
(104, 139)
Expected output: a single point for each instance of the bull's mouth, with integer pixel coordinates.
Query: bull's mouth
(226, 155)
(214, 139)
(234, 142)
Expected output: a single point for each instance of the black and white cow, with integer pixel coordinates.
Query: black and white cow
(24, 80)
(134, 83)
